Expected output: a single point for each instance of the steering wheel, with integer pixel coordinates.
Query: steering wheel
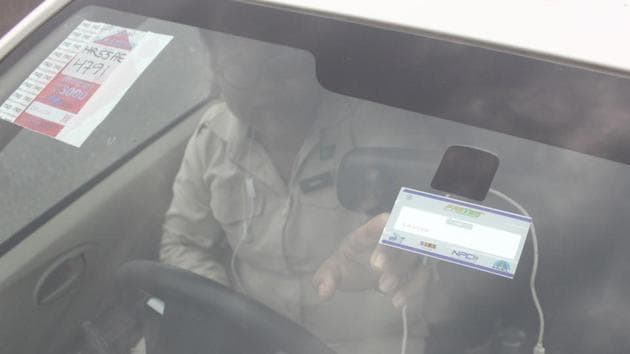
(203, 316)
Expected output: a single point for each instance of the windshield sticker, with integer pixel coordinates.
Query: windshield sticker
(74, 89)
(455, 231)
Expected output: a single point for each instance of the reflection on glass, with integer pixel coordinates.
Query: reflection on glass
(260, 172)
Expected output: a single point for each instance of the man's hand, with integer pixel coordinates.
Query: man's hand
(361, 263)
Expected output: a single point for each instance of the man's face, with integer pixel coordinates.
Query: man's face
(260, 79)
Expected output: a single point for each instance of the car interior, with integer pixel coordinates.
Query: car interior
(78, 226)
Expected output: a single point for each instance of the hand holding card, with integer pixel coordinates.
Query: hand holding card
(361, 263)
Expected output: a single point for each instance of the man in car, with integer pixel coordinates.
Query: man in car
(258, 178)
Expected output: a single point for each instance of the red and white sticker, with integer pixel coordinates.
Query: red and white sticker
(73, 90)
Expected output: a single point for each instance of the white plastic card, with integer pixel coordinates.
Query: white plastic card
(456, 231)
(73, 90)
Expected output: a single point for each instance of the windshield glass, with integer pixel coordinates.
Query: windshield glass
(379, 190)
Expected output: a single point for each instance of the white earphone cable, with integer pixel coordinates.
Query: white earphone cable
(248, 203)
(539, 348)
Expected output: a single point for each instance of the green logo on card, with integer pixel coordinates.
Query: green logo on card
(463, 211)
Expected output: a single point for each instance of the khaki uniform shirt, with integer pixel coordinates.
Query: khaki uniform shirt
(292, 229)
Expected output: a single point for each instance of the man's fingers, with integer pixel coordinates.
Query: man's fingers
(365, 238)
(348, 268)
(326, 279)
(389, 259)
(396, 267)
(412, 291)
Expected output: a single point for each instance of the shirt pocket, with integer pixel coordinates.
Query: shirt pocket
(230, 201)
